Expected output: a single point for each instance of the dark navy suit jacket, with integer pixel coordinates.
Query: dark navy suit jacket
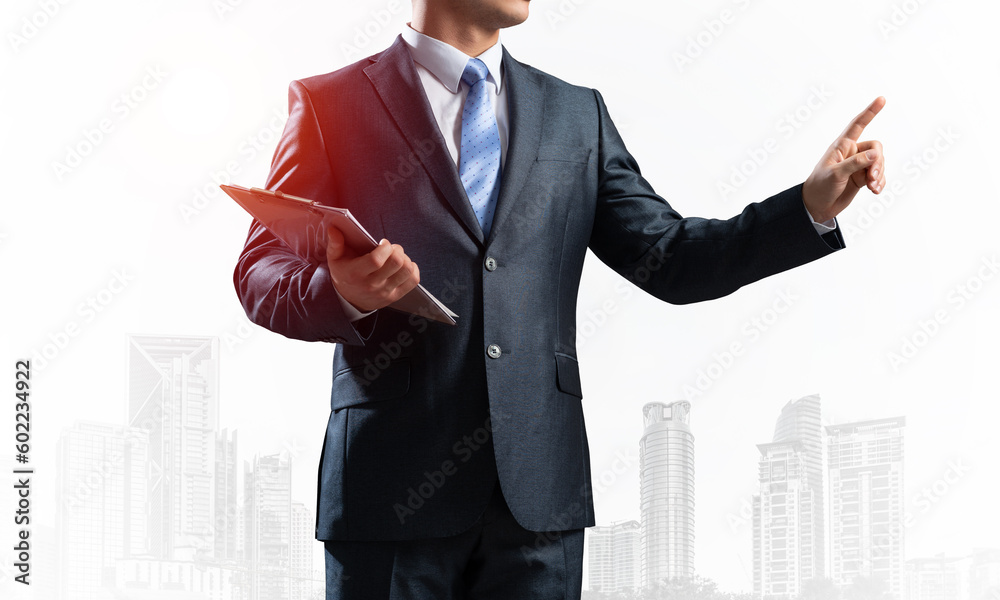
(424, 418)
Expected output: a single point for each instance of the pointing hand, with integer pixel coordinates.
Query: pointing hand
(847, 166)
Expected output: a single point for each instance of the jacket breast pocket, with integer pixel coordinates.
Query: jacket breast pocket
(369, 383)
(568, 375)
(563, 153)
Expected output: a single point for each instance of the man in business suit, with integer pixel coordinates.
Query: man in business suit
(455, 463)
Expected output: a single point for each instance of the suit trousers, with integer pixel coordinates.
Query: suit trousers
(495, 559)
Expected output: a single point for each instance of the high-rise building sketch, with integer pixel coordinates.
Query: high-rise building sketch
(600, 559)
(100, 517)
(268, 501)
(613, 557)
(666, 493)
(788, 518)
(802, 420)
(866, 503)
(226, 506)
(173, 394)
(157, 506)
(303, 544)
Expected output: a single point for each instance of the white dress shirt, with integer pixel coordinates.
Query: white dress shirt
(440, 67)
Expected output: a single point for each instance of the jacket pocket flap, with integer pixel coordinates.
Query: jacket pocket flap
(563, 153)
(568, 375)
(368, 383)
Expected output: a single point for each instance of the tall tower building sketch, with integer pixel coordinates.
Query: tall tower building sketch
(613, 561)
(173, 395)
(268, 526)
(666, 492)
(303, 542)
(866, 502)
(100, 518)
(788, 513)
(226, 510)
(154, 506)
(600, 559)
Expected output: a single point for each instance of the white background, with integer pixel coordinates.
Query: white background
(130, 205)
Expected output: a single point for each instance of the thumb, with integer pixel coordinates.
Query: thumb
(334, 243)
(861, 160)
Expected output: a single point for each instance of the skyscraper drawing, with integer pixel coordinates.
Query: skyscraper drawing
(788, 518)
(100, 518)
(613, 557)
(600, 559)
(154, 507)
(268, 513)
(226, 509)
(173, 395)
(303, 542)
(666, 493)
(866, 503)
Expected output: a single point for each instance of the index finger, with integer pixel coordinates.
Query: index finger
(853, 131)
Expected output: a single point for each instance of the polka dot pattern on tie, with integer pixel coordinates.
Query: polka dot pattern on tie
(479, 155)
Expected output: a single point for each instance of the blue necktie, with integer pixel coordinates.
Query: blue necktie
(479, 156)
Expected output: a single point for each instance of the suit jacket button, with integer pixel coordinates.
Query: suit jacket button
(493, 351)
(491, 263)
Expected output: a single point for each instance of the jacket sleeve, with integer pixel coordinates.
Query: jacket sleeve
(689, 259)
(279, 290)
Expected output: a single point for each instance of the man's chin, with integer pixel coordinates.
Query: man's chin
(516, 19)
(515, 16)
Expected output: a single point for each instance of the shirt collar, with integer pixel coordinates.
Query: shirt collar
(447, 63)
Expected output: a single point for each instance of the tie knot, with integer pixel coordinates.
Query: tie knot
(475, 71)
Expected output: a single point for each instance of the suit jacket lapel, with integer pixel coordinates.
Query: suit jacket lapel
(396, 81)
(525, 99)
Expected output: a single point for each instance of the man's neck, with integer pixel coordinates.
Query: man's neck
(467, 37)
